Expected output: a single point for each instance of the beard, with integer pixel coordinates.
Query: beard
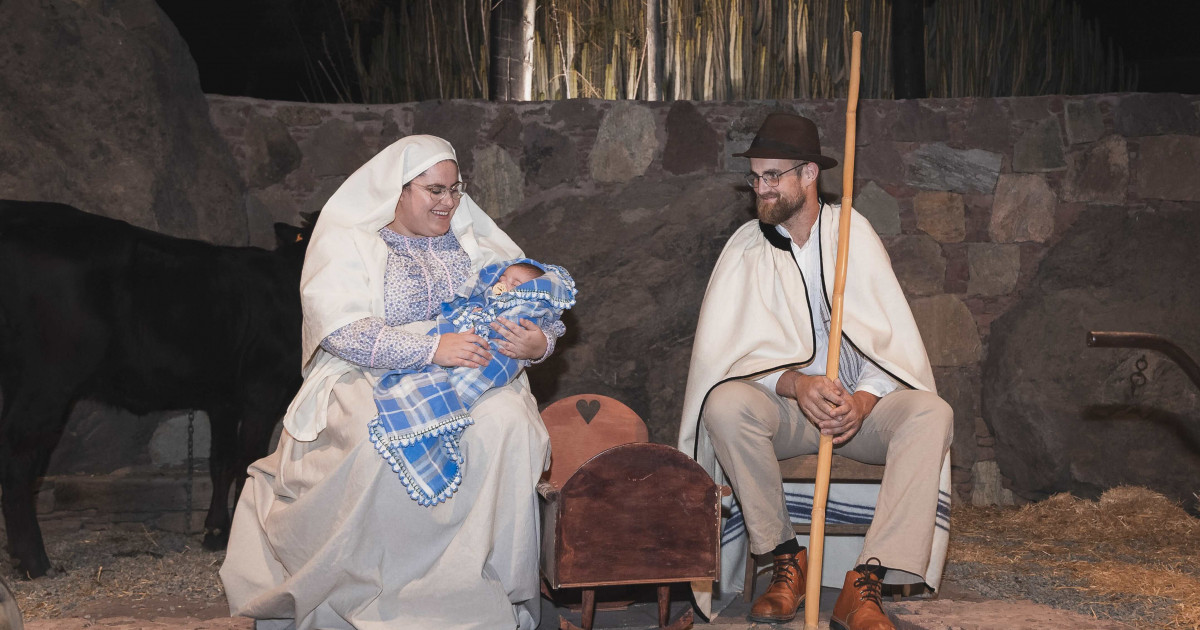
(775, 208)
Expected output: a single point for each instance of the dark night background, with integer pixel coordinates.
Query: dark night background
(270, 48)
(254, 47)
(1159, 35)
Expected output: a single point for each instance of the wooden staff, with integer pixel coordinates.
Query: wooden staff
(816, 536)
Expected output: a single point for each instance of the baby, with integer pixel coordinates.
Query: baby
(515, 275)
(505, 290)
(423, 412)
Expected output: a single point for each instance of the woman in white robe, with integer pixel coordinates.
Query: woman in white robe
(325, 534)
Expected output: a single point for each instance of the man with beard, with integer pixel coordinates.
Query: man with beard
(757, 390)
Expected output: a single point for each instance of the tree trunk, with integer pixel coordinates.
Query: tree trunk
(908, 48)
(653, 93)
(510, 75)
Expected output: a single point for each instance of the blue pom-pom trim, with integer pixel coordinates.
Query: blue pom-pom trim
(390, 451)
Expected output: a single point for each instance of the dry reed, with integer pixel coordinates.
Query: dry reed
(726, 49)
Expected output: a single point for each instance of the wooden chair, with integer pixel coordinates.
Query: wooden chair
(617, 510)
(804, 468)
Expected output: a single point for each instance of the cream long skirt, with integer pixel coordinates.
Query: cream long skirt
(325, 535)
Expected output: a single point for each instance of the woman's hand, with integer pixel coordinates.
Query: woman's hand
(521, 341)
(462, 350)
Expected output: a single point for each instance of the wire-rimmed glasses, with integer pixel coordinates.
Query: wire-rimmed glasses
(770, 178)
(438, 191)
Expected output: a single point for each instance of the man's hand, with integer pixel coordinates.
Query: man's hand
(462, 350)
(817, 396)
(827, 404)
(848, 418)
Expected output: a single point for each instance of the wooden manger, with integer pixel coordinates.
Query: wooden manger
(631, 513)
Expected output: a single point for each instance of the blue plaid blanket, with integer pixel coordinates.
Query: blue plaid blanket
(422, 413)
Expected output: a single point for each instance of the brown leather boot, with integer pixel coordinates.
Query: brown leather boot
(859, 606)
(786, 593)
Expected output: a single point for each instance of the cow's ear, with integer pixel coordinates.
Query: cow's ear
(286, 235)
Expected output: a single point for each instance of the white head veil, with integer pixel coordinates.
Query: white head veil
(342, 279)
(343, 274)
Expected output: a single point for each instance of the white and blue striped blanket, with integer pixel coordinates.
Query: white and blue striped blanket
(422, 413)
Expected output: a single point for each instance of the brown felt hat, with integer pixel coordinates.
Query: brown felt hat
(788, 137)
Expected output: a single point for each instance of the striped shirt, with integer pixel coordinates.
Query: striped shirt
(854, 370)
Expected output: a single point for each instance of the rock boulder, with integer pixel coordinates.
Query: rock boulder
(103, 110)
(1067, 417)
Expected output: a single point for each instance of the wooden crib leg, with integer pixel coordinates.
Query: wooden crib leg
(664, 606)
(589, 607)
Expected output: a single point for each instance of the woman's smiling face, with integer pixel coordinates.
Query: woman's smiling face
(421, 212)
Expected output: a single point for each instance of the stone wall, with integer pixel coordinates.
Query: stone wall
(636, 199)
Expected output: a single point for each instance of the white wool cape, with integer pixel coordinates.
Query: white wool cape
(755, 320)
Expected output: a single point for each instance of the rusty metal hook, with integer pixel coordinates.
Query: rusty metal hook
(1158, 343)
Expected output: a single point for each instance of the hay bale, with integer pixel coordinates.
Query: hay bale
(1133, 551)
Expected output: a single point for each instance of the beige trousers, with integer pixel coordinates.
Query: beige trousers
(752, 427)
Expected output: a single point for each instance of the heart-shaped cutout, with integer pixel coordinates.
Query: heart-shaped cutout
(588, 409)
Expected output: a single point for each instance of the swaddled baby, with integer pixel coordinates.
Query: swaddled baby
(514, 276)
(422, 413)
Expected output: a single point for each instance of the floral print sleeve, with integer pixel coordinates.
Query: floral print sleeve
(553, 331)
(370, 342)
(421, 273)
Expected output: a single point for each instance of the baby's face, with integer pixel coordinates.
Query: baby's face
(513, 277)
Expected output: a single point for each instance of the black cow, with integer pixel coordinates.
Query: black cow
(96, 308)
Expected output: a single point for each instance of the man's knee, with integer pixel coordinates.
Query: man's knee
(731, 407)
(924, 418)
(940, 419)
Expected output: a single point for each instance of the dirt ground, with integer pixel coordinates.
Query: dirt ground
(1131, 557)
(115, 576)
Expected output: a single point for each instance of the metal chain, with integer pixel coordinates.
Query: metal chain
(190, 466)
(1138, 378)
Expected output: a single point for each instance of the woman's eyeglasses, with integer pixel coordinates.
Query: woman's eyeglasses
(437, 191)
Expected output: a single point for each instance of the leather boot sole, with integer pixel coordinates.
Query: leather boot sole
(837, 625)
(781, 619)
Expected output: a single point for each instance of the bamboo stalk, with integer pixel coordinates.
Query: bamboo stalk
(805, 78)
(816, 539)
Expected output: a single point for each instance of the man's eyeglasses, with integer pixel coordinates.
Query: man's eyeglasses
(437, 191)
(771, 178)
